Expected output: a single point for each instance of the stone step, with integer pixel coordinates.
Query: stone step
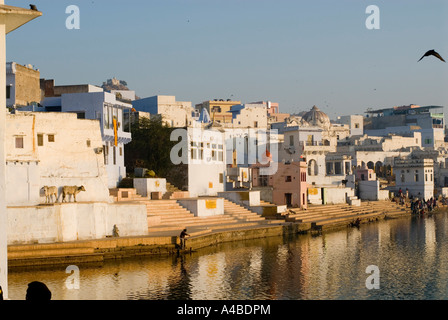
(46, 246)
(209, 225)
(195, 221)
(360, 211)
(347, 219)
(62, 260)
(167, 212)
(163, 206)
(21, 254)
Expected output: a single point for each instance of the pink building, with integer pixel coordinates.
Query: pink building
(288, 185)
(365, 174)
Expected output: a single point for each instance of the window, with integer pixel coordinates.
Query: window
(357, 125)
(197, 151)
(416, 176)
(88, 143)
(255, 124)
(220, 152)
(201, 151)
(264, 180)
(127, 120)
(40, 140)
(115, 155)
(19, 142)
(338, 168)
(193, 151)
(288, 179)
(81, 115)
(51, 138)
(291, 140)
(8, 92)
(106, 117)
(106, 154)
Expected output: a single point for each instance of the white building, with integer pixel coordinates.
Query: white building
(57, 149)
(176, 114)
(11, 18)
(206, 161)
(114, 120)
(249, 115)
(214, 155)
(355, 123)
(53, 149)
(404, 120)
(416, 175)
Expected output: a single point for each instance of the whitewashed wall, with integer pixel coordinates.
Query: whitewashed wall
(71, 160)
(74, 221)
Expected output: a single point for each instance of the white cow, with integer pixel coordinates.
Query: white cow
(71, 190)
(49, 193)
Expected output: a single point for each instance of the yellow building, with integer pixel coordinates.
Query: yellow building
(22, 85)
(218, 109)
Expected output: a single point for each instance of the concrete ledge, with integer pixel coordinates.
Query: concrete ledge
(120, 248)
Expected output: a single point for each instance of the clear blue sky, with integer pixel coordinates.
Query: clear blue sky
(297, 53)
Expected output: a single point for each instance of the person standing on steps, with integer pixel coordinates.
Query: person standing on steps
(183, 239)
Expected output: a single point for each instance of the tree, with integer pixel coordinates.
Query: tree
(151, 148)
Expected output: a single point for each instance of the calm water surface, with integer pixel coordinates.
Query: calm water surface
(411, 254)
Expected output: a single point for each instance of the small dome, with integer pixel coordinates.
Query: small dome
(317, 118)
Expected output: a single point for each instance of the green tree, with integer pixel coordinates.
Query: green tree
(150, 148)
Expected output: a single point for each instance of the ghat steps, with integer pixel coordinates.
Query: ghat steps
(322, 217)
(169, 217)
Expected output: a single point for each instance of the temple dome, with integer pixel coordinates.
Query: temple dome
(317, 118)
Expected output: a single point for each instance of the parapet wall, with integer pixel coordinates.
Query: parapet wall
(74, 221)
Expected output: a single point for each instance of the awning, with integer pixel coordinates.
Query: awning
(15, 17)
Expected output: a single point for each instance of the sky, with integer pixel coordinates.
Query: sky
(297, 53)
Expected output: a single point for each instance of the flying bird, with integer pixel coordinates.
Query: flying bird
(432, 53)
(33, 7)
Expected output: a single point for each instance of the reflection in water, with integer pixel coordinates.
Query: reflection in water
(411, 255)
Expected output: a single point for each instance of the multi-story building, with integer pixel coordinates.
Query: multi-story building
(416, 176)
(249, 115)
(53, 149)
(287, 186)
(22, 85)
(218, 109)
(355, 123)
(176, 114)
(113, 115)
(428, 120)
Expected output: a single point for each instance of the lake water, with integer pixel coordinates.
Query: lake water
(411, 256)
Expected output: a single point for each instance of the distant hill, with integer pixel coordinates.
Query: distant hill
(115, 84)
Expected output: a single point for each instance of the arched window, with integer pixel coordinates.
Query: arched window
(312, 168)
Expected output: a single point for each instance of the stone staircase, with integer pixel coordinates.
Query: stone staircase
(168, 218)
(124, 194)
(174, 193)
(240, 212)
(322, 217)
